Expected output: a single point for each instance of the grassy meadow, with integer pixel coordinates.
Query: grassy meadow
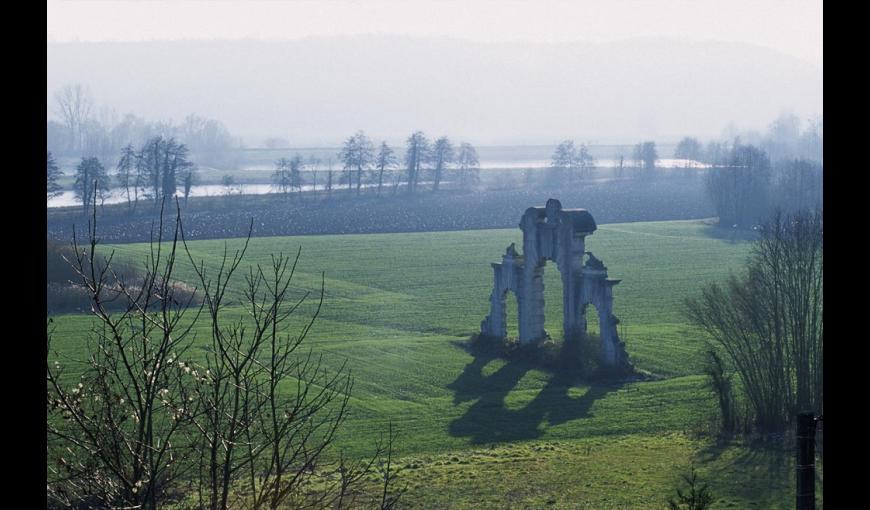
(485, 432)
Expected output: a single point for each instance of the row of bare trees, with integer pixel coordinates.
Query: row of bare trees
(152, 172)
(246, 419)
(768, 323)
(364, 165)
(571, 163)
(360, 160)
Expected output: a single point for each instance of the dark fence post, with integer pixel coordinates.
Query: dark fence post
(806, 462)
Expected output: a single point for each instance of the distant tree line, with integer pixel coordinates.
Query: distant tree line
(154, 171)
(745, 186)
(365, 165)
(570, 164)
(82, 130)
(784, 140)
(752, 175)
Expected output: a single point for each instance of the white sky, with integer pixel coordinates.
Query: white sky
(791, 26)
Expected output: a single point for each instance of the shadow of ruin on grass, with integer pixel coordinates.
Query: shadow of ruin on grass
(489, 419)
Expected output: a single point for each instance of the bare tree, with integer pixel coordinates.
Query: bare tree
(719, 380)
(91, 182)
(688, 149)
(175, 162)
(797, 184)
(739, 186)
(783, 137)
(468, 165)
(715, 153)
(563, 162)
(313, 164)
(585, 161)
(126, 172)
(620, 166)
(164, 159)
(188, 179)
(357, 155)
(151, 157)
(570, 163)
(442, 156)
(329, 177)
(74, 104)
(385, 159)
(417, 152)
(281, 176)
(53, 173)
(296, 167)
(645, 157)
(769, 320)
(115, 435)
(208, 138)
(246, 426)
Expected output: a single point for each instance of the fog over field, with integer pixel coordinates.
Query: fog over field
(316, 90)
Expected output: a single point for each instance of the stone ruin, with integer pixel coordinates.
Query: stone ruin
(553, 233)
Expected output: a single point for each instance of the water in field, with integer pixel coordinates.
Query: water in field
(116, 195)
(518, 163)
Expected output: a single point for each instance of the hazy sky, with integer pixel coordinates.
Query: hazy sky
(790, 26)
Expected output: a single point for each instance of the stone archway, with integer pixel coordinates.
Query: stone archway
(590, 318)
(553, 233)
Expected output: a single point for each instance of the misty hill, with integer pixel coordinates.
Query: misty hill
(316, 91)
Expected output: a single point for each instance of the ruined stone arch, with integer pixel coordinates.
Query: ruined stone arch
(556, 234)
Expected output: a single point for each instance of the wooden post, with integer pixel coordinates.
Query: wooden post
(806, 462)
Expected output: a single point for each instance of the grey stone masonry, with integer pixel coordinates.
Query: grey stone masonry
(559, 235)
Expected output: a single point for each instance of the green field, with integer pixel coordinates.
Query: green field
(399, 308)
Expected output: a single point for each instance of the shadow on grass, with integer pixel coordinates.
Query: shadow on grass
(489, 419)
(757, 467)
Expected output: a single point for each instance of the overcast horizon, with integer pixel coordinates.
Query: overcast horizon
(792, 27)
(604, 72)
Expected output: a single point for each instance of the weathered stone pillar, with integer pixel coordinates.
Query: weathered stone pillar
(495, 323)
(571, 268)
(607, 325)
(612, 349)
(530, 302)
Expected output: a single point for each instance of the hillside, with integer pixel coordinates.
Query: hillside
(315, 91)
(400, 308)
